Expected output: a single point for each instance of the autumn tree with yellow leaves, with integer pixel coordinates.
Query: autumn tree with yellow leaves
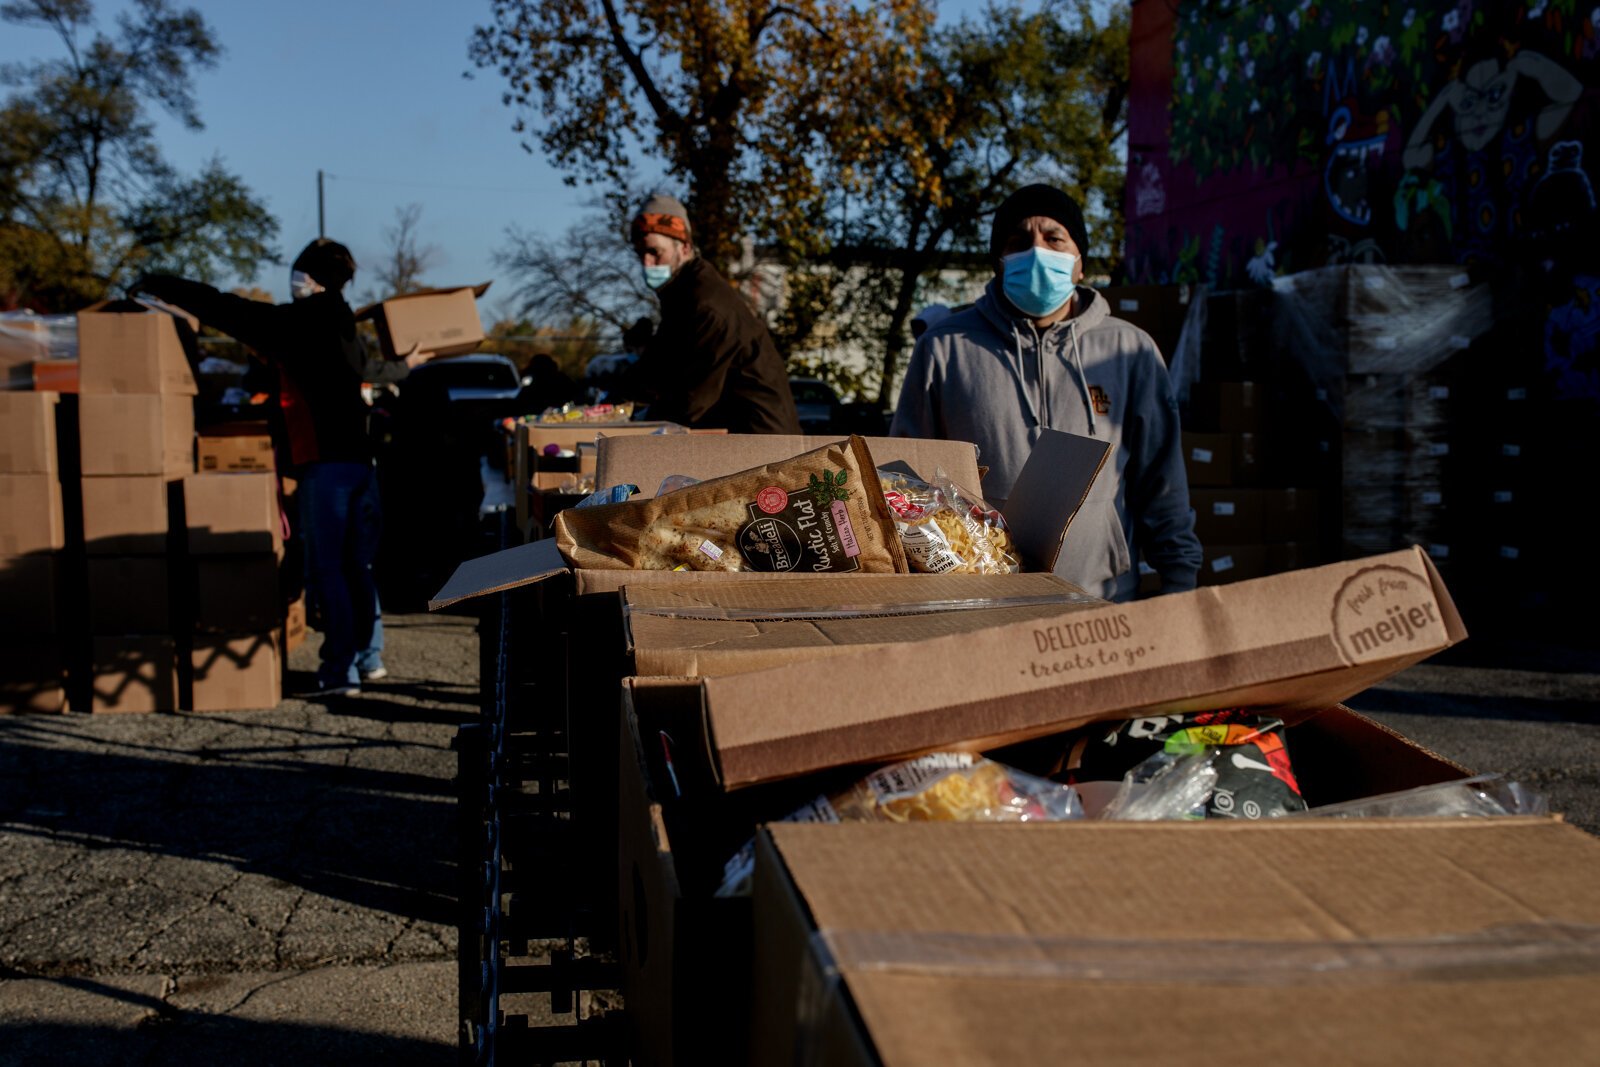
(854, 140)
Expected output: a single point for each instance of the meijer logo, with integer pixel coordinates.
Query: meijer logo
(1384, 611)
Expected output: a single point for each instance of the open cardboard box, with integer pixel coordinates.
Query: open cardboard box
(443, 322)
(1052, 485)
(1292, 642)
(677, 940)
(1304, 941)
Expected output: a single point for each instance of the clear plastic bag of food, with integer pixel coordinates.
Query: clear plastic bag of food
(1166, 786)
(946, 529)
(940, 787)
(1482, 796)
(673, 482)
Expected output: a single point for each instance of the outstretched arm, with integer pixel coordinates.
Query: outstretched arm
(1558, 84)
(248, 321)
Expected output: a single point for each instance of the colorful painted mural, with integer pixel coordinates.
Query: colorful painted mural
(1274, 136)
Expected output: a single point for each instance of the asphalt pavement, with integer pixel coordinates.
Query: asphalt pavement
(275, 886)
(253, 887)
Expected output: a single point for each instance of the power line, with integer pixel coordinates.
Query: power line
(429, 185)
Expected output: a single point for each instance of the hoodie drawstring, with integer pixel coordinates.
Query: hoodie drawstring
(1083, 378)
(1022, 375)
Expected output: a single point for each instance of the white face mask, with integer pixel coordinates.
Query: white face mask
(302, 285)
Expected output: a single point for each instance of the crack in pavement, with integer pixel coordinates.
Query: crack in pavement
(196, 910)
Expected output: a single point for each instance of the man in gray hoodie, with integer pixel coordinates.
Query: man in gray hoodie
(1039, 351)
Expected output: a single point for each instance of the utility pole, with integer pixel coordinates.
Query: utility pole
(322, 228)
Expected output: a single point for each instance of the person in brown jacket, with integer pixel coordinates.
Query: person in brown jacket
(711, 362)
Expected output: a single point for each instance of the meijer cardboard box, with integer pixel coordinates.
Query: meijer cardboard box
(443, 322)
(136, 434)
(31, 519)
(1466, 941)
(237, 673)
(128, 347)
(28, 433)
(1293, 642)
(125, 516)
(232, 513)
(134, 673)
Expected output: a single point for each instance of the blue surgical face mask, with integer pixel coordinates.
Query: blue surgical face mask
(1039, 280)
(657, 276)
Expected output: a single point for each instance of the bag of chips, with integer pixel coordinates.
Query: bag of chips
(819, 512)
(946, 529)
(940, 787)
(1253, 778)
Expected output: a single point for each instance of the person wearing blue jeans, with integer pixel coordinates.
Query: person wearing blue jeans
(321, 363)
(339, 522)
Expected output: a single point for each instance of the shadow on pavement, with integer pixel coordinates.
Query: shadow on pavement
(208, 1040)
(381, 836)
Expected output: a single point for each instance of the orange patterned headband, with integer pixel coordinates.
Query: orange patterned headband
(667, 225)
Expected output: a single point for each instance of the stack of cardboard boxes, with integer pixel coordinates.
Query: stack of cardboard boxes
(32, 537)
(176, 574)
(235, 545)
(136, 443)
(1253, 513)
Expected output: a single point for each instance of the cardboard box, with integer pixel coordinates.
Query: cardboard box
(530, 463)
(134, 673)
(1158, 310)
(1293, 642)
(28, 433)
(29, 595)
(237, 594)
(1250, 516)
(676, 939)
(129, 595)
(443, 322)
(136, 434)
(31, 519)
(237, 673)
(645, 461)
(702, 629)
(1227, 407)
(294, 624)
(125, 516)
(124, 347)
(1233, 563)
(232, 514)
(1051, 487)
(32, 677)
(236, 447)
(1221, 459)
(1389, 941)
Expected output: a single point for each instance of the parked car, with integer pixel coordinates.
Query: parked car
(818, 405)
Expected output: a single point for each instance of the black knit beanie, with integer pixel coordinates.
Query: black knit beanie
(1031, 200)
(328, 262)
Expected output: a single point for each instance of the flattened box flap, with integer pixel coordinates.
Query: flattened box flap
(499, 571)
(1050, 489)
(1296, 641)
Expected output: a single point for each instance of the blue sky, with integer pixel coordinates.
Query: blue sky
(373, 94)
